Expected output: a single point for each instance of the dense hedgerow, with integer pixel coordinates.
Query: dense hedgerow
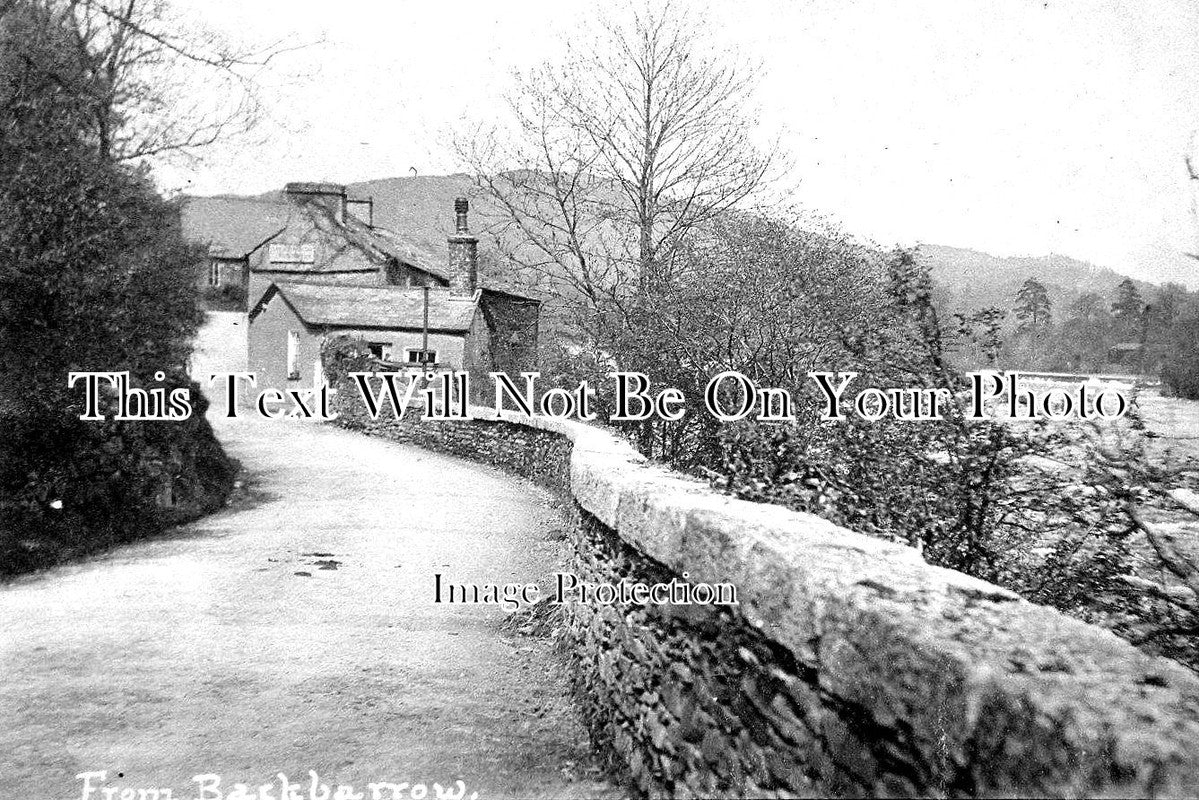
(1052, 511)
(1180, 369)
(1056, 512)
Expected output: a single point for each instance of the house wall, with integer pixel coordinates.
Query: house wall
(502, 336)
(267, 350)
(477, 358)
(514, 324)
(339, 261)
(452, 354)
(310, 226)
(268, 347)
(450, 347)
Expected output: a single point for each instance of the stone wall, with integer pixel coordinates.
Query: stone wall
(513, 324)
(850, 667)
(540, 455)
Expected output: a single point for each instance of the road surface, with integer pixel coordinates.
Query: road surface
(295, 632)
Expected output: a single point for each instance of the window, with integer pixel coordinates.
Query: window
(380, 350)
(422, 356)
(293, 356)
(214, 273)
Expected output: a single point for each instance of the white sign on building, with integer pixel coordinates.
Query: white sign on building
(279, 253)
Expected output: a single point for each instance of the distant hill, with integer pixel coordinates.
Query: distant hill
(974, 280)
(422, 208)
(419, 206)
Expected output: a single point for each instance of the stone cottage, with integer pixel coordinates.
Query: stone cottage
(289, 323)
(310, 267)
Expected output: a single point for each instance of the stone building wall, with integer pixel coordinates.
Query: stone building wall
(513, 326)
(850, 667)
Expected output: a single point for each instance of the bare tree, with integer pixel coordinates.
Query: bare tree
(641, 135)
(1155, 502)
(156, 84)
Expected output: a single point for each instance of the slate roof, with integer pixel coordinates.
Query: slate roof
(232, 226)
(393, 245)
(236, 226)
(395, 307)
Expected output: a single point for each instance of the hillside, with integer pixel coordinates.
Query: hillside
(420, 207)
(975, 280)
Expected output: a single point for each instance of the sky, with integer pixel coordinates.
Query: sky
(1009, 126)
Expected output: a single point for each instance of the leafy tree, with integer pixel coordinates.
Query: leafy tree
(755, 295)
(1162, 314)
(1050, 511)
(1032, 312)
(1089, 307)
(94, 275)
(1032, 305)
(1128, 307)
(936, 485)
(1131, 316)
(1168, 304)
(1180, 368)
(980, 334)
(1082, 339)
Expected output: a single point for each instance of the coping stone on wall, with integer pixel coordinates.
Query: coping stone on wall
(963, 662)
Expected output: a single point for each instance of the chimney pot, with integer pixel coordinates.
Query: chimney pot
(461, 207)
(464, 254)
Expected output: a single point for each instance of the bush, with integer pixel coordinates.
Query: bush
(341, 355)
(1180, 371)
(77, 487)
(229, 297)
(94, 276)
(1051, 511)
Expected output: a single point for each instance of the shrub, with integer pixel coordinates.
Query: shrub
(341, 355)
(94, 276)
(1180, 370)
(1052, 511)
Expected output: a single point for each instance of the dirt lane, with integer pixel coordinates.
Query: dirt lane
(207, 652)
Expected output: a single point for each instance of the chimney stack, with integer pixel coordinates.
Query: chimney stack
(464, 254)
